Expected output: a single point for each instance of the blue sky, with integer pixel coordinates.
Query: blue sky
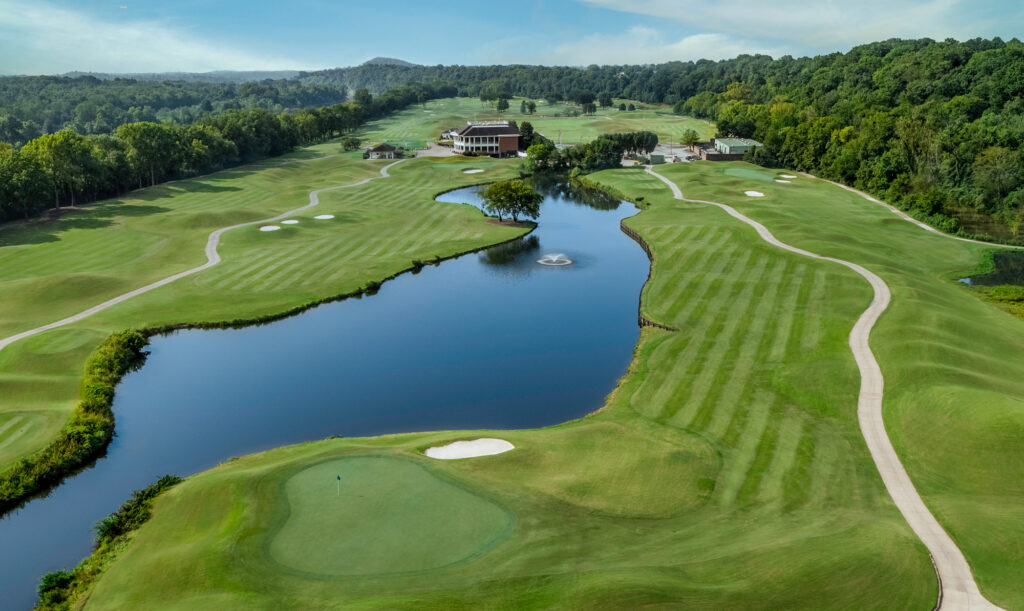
(54, 36)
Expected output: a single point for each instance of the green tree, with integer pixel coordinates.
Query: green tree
(149, 147)
(350, 143)
(23, 184)
(531, 107)
(502, 105)
(522, 107)
(363, 98)
(513, 198)
(63, 156)
(690, 137)
(604, 99)
(997, 172)
(631, 107)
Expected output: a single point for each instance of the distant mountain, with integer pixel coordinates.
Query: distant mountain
(388, 61)
(217, 76)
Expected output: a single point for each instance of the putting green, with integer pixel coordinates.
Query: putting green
(749, 174)
(409, 519)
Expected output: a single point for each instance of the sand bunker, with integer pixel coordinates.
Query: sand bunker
(787, 176)
(290, 222)
(269, 228)
(754, 193)
(323, 217)
(783, 181)
(471, 171)
(485, 446)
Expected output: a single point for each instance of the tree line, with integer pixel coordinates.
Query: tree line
(602, 153)
(31, 106)
(69, 168)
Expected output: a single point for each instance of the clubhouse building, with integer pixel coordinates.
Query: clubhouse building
(494, 138)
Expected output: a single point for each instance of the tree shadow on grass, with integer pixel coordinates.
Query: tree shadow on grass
(49, 229)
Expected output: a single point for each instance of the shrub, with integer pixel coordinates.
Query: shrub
(1008, 292)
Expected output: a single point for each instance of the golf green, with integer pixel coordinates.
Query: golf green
(409, 519)
(748, 173)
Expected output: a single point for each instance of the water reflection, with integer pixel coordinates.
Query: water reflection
(1008, 269)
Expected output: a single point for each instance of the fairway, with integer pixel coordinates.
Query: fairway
(722, 472)
(749, 173)
(415, 126)
(53, 269)
(726, 470)
(409, 519)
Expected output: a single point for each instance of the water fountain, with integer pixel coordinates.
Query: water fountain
(555, 259)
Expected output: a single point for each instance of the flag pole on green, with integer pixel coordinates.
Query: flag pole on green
(339, 485)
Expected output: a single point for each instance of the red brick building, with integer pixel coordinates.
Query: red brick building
(495, 138)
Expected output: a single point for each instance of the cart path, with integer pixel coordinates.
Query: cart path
(212, 258)
(957, 589)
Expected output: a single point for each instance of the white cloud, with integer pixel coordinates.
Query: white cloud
(36, 38)
(826, 25)
(642, 45)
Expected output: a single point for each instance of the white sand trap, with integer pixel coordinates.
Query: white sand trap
(471, 171)
(269, 228)
(485, 446)
(290, 222)
(323, 217)
(754, 193)
(787, 176)
(783, 181)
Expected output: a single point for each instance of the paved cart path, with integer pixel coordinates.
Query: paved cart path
(957, 589)
(212, 258)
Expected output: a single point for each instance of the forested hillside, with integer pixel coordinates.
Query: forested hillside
(34, 105)
(935, 127)
(69, 168)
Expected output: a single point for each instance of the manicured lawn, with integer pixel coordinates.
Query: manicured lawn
(52, 269)
(727, 470)
(953, 364)
(413, 127)
(409, 519)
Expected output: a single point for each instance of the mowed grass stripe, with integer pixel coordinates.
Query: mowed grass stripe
(731, 382)
(676, 377)
(789, 310)
(737, 467)
(815, 302)
(716, 342)
(772, 491)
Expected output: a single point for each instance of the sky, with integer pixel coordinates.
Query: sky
(57, 36)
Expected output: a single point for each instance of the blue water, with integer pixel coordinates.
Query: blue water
(488, 340)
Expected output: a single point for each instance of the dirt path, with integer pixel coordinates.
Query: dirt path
(212, 258)
(957, 589)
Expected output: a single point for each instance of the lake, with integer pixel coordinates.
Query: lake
(488, 340)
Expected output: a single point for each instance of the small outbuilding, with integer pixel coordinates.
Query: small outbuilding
(382, 151)
(735, 146)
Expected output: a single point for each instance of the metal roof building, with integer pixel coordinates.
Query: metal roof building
(735, 146)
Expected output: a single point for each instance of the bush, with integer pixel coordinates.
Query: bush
(1008, 292)
(350, 143)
